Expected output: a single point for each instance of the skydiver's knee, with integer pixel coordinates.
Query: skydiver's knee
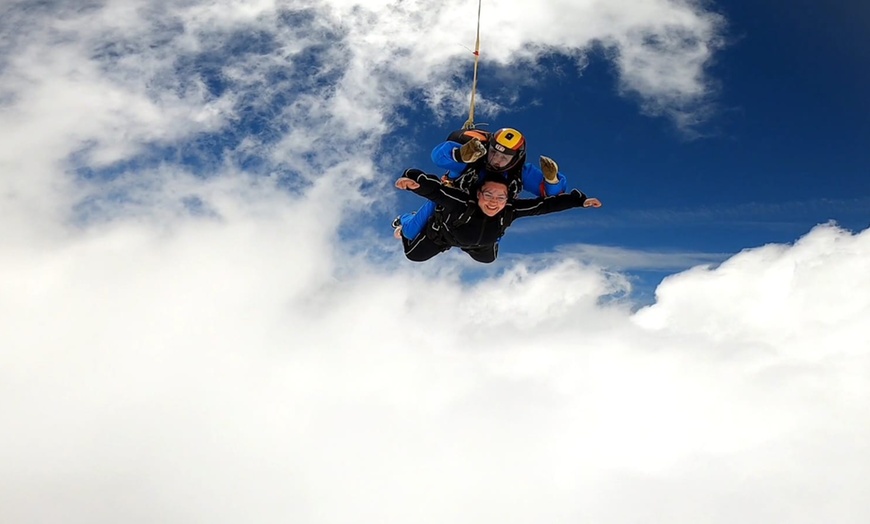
(421, 248)
(419, 257)
(483, 255)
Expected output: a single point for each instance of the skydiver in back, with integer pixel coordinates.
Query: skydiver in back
(475, 221)
(470, 154)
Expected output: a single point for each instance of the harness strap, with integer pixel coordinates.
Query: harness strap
(465, 217)
(435, 230)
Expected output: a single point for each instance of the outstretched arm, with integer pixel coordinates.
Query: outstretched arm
(429, 186)
(541, 206)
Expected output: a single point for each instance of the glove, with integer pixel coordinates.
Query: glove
(471, 151)
(550, 170)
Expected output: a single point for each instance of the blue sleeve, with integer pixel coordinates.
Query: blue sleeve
(442, 156)
(533, 181)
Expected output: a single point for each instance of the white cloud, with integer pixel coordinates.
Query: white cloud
(181, 339)
(767, 286)
(215, 370)
(621, 259)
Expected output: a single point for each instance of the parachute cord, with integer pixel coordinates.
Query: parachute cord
(469, 124)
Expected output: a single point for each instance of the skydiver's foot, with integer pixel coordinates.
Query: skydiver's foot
(397, 226)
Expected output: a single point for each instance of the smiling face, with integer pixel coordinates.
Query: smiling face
(492, 197)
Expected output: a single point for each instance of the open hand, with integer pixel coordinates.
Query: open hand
(407, 184)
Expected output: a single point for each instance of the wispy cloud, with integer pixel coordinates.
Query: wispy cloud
(621, 259)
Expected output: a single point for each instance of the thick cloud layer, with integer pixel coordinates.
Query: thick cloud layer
(191, 373)
(183, 339)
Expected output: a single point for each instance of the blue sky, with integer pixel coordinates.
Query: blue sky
(204, 315)
(785, 146)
